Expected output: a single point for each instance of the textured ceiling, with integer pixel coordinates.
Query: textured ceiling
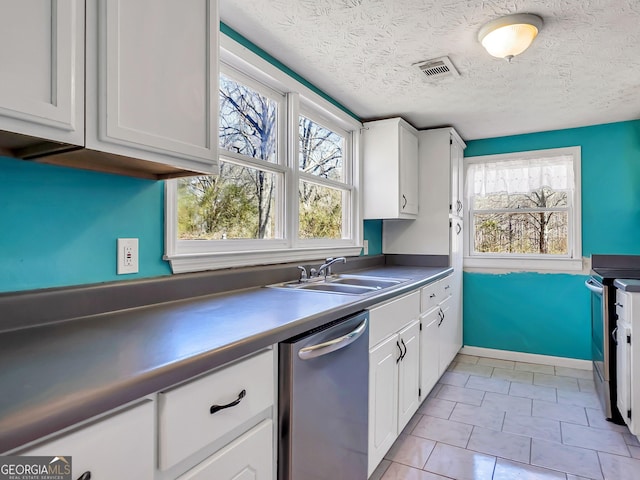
(583, 69)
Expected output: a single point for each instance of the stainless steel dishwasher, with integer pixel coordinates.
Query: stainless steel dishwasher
(323, 402)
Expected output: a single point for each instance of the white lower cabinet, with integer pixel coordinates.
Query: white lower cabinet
(409, 374)
(197, 413)
(118, 446)
(628, 358)
(383, 400)
(394, 372)
(216, 426)
(429, 351)
(250, 457)
(441, 330)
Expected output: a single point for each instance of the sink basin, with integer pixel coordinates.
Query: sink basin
(374, 282)
(343, 284)
(337, 288)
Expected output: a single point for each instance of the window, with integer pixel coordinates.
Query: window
(287, 188)
(524, 210)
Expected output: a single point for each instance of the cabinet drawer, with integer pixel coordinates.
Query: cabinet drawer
(623, 305)
(252, 452)
(429, 297)
(390, 317)
(435, 293)
(116, 447)
(186, 424)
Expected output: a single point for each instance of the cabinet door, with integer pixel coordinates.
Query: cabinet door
(249, 457)
(116, 447)
(429, 351)
(623, 370)
(409, 374)
(457, 177)
(42, 69)
(448, 335)
(408, 171)
(150, 89)
(383, 399)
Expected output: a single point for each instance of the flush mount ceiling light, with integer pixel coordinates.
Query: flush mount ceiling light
(506, 37)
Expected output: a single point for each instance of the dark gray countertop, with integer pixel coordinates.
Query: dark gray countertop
(628, 285)
(55, 375)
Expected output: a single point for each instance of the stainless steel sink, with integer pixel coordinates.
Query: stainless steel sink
(363, 281)
(337, 288)
(343, 284)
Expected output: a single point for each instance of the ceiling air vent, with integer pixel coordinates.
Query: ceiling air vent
(438, 68)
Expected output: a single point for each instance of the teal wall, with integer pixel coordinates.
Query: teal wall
(373, 233)
(549, 313)
(59, 225)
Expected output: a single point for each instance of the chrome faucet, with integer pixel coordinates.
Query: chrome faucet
(325, 268)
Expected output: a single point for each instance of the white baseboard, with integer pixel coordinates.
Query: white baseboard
(528, 357)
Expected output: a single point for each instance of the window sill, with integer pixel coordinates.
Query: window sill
(507, 265)
(197, 262)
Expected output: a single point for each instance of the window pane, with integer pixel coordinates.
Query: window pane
(238, 204)
(248, 121)
(533, 233)
(321, 150)
(320, 211)
(540, 198)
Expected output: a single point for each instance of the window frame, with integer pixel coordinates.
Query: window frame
(570, 262)
(255, 72)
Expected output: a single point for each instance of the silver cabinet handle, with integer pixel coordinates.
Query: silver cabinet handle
(432, 295)
(614, 335)
(323, 348)
(619, 305)
(458, 229)
(404, 201)
(458, 205)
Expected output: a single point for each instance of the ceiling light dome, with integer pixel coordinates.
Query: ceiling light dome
(509, 36)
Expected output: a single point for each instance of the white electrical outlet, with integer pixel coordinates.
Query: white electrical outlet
(127, 255)
(365, 247)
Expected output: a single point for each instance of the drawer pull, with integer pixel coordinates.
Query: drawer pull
(85, 476)
(215, 408)
(619, 305)
(432, 295)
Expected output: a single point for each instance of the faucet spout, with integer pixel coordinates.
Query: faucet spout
(325, 268)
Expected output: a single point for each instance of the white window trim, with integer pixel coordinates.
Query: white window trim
(192, 256)
(531, 263)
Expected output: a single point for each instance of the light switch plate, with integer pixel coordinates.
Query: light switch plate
(127, 255)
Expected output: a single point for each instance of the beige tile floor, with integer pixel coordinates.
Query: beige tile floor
(490, 419)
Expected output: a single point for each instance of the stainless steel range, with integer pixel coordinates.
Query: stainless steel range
(605, 269)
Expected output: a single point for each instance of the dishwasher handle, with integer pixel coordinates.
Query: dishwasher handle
(323, 348)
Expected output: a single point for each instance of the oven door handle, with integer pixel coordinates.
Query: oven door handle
(593, 286)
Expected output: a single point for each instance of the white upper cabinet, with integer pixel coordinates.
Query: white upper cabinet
(441, 181)
(390, 169)
(152, 80)
(42, 71)
(134, 82)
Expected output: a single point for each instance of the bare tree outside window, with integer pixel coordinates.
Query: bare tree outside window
(530, 226)
(241, 202)
(321, 155)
